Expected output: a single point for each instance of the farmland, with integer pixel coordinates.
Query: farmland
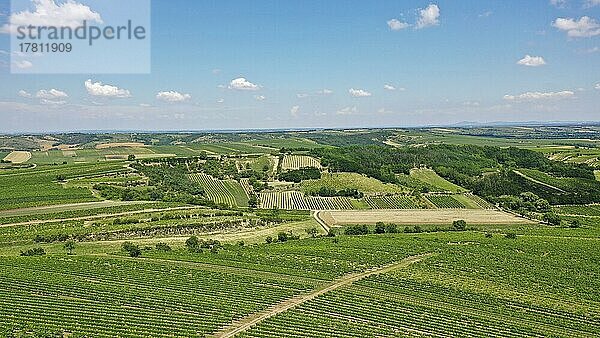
(292, 162)
(18, 157)
(223, 192)
(347, 236)
(427, 216)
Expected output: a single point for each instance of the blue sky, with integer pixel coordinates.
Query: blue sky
(329, 64)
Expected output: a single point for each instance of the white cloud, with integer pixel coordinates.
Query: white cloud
(359, 93)
(24, 64)
(172, 96)
(428, 17)
(389, 87)
(536, 96)
(591, 3)
(102, 90)
(347, 111)
(48, 13)
(597, 86)
(585, 27)
(397, 25)
(325, 92)
(485, 14)
(259, 97)
(23, 93)
(559, 3)
(242, 84)
(221, 101)
(471, 104)
(52, 94)
(294, 111)
(532, 61)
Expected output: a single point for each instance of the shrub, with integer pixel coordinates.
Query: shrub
(511, 235)
(163, 247)
(132, 249)
(356, 230)
(459, 225)
(33, 252)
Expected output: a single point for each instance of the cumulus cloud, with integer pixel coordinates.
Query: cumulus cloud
(537, 96)
(428, 17)
(24, 64)
(172, 96)
(389, 87)
(294, 111)
(242, 84)
(23, 93)
(397, 25)
(52, 96)
(259, 97)
(559, 3)
(532, 61)
(102, 90)
(585, 27)
(597, 86)
(347, 111)
(49, 13)
(359, 93)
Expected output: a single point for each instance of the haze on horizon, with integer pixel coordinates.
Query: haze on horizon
(310, 64)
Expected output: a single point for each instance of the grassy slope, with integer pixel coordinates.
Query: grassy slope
(597, 173)
(349, 181)
(433, 179)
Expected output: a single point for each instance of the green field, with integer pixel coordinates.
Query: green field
(169, 245)
(432, 179)
(341, 181)
(597, 173)
(39, 187)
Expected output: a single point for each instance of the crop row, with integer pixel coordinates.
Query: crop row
(445, 202)
(294, 200)
(292, 162)
(391, 202)
(228, 192)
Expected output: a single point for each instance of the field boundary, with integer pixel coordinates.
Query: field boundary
(248, 322)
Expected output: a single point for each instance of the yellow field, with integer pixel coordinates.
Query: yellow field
(412, 217)
(120, 145)
(18, 157)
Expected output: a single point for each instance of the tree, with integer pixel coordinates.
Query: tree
(132, 249)
(552, 218)
(131, 157)
(511, 235)
(356, 230)
(459, 225)
(193, 244)
(269, 240)
(312, 232)
(69, 246)
(163, 247)
(282, 237)
(253, 202)
(380, 228)
(575, 224)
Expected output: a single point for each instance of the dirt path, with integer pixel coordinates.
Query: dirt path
(248, 322)
(538, 182)
(322, 223)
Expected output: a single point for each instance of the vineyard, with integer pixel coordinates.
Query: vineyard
(392, 202)
(228, 192)
(293, 162)
(294, 200)
(40, 186)
(438, 183)
(445, 202)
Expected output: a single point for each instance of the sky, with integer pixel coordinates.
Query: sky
(232, 64)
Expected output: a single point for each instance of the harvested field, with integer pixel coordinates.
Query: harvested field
(18, 157)
(120, 145)
(439, 216)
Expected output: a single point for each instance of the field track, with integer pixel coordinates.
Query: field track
(423, 216)
(248, 322)
(18, 157)
(538, 182)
